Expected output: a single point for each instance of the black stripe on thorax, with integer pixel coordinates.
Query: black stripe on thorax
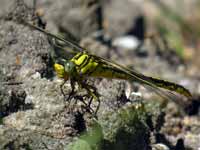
(78, 56)
(85, 61)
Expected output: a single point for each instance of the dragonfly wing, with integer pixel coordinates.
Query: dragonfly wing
(76, 47)
(145, 81)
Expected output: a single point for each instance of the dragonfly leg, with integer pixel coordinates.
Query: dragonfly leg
(98, 105)
(67, 97)
(74, 104)
(61, 88)
(87, 108)
(91, 94)
(72, 92)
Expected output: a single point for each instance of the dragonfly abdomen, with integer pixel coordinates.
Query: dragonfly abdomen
(106, 71)
(169, 86)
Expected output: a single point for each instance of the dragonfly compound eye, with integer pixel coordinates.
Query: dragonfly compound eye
(70, 67)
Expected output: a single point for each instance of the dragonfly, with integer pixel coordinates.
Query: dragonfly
(83, 64)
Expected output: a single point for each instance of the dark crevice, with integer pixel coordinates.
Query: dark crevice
(16, 102)
(48, 72)
(194, 107)
(79, 122)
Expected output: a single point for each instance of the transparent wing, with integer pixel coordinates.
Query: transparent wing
(166, 94)
(76, 47)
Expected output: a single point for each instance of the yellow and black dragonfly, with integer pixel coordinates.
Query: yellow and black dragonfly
(82, 65)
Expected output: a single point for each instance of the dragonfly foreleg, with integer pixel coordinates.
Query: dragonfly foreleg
(68, 97)
(92, 94)
(72, 92)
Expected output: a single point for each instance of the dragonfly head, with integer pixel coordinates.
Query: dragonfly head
(64, 68)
